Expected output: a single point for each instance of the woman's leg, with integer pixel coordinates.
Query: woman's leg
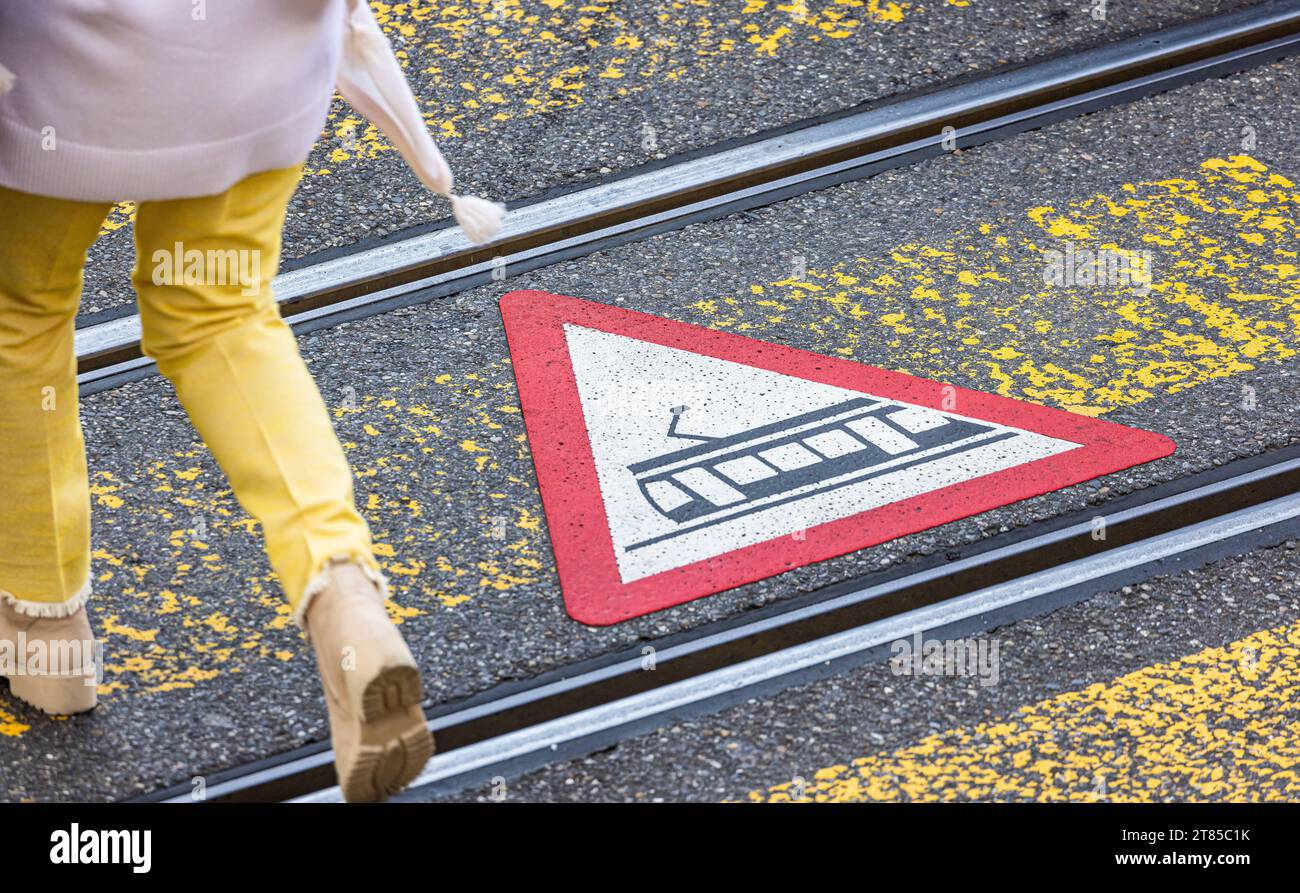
(44, 496)
(203, 274)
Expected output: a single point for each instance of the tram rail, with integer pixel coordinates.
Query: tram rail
(734, 177)
(573, 710)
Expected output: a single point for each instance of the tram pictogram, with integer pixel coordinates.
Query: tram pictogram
(676, 461)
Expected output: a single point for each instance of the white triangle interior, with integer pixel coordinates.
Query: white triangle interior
(775, 483)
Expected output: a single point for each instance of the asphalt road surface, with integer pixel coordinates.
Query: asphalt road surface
(934, 270)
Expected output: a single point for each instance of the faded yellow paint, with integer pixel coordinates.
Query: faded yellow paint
(975, 307)
(1217, 725)
(513, 58)
(105, 493)
(10, 726)
(123, 213)
(109, 626)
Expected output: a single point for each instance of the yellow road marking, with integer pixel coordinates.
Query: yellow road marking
(1218, 725)
(946, 311)
(123, 213)
(975, 307)
(10, 726)
(488, 61)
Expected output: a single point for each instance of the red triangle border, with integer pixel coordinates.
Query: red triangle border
(575, 514)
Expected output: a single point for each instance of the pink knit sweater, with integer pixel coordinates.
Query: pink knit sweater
(145, 99)
(163, 99)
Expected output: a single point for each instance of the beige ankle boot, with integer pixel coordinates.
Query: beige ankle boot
(50, 661)
(372, 687)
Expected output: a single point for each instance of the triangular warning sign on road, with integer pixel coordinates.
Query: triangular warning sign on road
(676, 461)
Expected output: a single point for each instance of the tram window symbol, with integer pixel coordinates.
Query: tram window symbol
(746, 470)
(789, 456)
(773, 464)
(711, 487)
(917, 419)
(666, 495)
(883, 436)
(834, 444)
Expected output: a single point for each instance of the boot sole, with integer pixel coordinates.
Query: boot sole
(395, 741)
(54, 696)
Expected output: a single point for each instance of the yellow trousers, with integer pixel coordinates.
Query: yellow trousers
(203, 278)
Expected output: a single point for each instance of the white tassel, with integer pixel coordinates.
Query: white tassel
(7, 80)
(371, 78)
(478, 218)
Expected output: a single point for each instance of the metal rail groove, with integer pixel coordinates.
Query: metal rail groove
(577, 708)
(514, 752)
(761, 171)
